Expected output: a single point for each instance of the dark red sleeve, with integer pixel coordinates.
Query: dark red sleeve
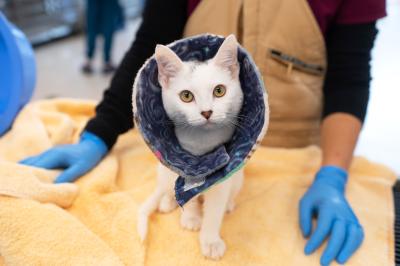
(191, 6)
(360, 11)
(332, 12)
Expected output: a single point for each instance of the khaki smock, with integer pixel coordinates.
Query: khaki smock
(288, 47)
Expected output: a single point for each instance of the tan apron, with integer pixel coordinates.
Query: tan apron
(287, 45)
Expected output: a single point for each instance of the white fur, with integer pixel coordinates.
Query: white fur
(199, 135)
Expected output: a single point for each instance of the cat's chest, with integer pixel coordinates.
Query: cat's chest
(199, 142)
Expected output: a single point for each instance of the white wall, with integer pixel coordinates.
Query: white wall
(380, 139)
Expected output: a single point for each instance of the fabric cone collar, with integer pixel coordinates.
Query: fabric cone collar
(197, 173)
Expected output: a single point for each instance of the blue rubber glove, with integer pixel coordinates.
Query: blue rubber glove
(335, 218)
(77, 159)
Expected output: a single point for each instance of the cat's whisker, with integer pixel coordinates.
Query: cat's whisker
(238, 116)
(230, 113)
(238, 120)
(237, 125)
(174, 124)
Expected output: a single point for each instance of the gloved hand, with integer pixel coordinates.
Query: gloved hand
(77, 159)
(335, 218)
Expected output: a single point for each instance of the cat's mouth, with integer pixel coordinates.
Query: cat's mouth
(211, 124)
(204, 124)
(208, 124)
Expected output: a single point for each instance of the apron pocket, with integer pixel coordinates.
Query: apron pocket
(293, 62)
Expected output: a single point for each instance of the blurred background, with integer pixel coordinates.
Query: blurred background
(55, 28)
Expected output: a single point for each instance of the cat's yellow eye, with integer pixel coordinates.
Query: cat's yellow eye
(186, 96)
(219, 91)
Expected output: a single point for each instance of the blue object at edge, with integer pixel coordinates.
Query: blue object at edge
(17, 72)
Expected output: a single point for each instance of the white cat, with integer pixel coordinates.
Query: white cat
(203, 99)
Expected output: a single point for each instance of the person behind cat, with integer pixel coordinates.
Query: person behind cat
(103, 17)
(314, 57)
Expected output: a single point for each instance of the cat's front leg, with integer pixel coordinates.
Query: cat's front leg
(215, 202)
(191, 215)
(160, 199)
(237, 183)
(166, 180)
(167, 203)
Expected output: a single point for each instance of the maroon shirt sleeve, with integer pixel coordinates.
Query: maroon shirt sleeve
(191, 6)
(329, 12)
(361, 11)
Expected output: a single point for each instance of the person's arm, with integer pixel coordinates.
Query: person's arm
(346, 90)
(339, 134)
(163, 22)
(346, 93)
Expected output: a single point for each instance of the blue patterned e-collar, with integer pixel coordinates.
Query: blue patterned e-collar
(158, 131)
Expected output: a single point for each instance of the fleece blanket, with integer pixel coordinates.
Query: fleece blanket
(93, 222)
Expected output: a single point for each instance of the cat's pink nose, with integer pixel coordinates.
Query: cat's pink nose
(206, 114)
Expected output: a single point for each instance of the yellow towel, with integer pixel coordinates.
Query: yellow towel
(98, 226)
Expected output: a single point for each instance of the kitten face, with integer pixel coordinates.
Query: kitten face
(201, 94)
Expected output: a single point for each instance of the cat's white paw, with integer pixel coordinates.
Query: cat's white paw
(212, 247)
(191, 221)
(167, 204)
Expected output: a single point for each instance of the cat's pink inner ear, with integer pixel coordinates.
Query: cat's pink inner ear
(226, 56)
(168, 63)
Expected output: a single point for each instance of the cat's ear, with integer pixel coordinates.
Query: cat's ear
(169, 64)
(226, 56)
